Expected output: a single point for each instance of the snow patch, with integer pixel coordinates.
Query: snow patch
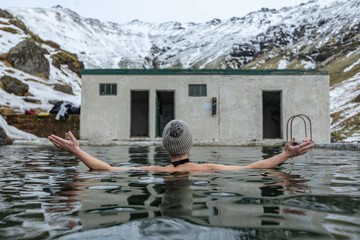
(15, 133)
(308, 64)
(352, 65)
(283, 64)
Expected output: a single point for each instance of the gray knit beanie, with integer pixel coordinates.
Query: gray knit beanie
(177, 138)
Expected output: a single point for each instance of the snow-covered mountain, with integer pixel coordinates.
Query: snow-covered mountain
(215, 44)
(319, 34)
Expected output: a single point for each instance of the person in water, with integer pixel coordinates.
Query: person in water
(177, 141)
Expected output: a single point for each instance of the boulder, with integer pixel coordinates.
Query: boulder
(63, 88)
(30, 58)
(4, 139)
(13, 85)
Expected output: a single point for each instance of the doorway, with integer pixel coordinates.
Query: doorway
(139, 114)
(165, 111)
(271, 114)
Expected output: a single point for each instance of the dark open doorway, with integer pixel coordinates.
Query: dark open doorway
(164, 110)
(271, 114)
(139, 114)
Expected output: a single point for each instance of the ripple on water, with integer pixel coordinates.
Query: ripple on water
(113, 210)
(104, 187)
(45, 193)
(222, 194)
(200, 183)
(149, 180)
(328, 204)
(170, 228)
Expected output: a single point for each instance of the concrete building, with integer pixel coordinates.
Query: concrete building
(221, 106)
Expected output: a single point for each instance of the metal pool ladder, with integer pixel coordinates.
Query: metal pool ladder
(307, 126)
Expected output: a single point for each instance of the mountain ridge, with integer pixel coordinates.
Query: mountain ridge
(311, 35)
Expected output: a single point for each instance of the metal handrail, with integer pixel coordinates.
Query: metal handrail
(290, 124)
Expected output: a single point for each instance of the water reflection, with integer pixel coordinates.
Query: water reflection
(176, 218)
(177, 199)
(139, 155)
(46, 194)
(161, 157)
(276, 184)
(30, 183)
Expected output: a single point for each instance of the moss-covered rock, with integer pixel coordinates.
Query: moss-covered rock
(52, 44)
(63, 88)
(10, 30)
(29, 57)
(4, 139)
(5, 14)
(13, 85)
(69, 59)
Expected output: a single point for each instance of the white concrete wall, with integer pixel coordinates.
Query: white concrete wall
(241, 105)
(239, 110)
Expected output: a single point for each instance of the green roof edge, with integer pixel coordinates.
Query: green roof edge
(203, 72)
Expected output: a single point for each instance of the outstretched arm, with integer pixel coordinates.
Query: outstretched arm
(290, 150)
(71, 145)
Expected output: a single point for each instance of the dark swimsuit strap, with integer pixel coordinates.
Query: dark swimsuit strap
(177, 163)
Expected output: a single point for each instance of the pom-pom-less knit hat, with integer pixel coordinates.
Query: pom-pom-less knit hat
(177, 138)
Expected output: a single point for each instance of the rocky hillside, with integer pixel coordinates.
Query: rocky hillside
(34, 73)
(318, 34)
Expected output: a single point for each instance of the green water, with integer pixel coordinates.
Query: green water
(47, 194)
